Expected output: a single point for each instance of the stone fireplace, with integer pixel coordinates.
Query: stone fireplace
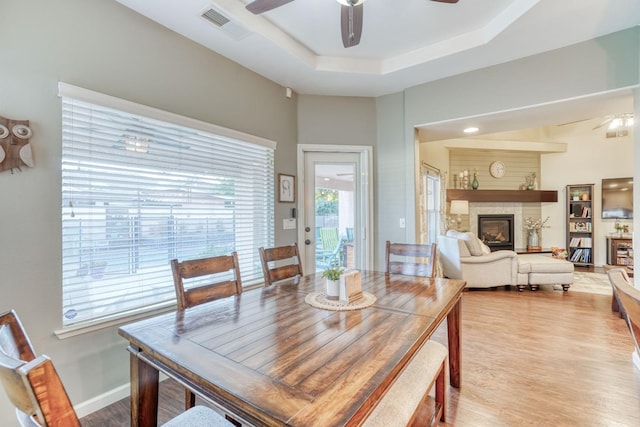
(496, 231)
(514, 209)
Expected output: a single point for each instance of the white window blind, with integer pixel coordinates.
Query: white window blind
(138, 192)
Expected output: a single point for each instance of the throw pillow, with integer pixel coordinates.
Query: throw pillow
(485, 249)
(470, 239)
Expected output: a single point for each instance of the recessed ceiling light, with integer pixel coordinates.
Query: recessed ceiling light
(471, 130)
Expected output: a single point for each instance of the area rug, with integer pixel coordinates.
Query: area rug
(593, 283)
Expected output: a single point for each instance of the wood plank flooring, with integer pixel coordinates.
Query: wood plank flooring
(542, 358)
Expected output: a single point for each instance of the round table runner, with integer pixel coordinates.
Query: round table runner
(319, 300)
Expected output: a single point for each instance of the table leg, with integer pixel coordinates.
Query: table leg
(453, 332)
(144, 392)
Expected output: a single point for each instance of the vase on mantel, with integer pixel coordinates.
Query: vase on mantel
(533, 239)
(475, 183)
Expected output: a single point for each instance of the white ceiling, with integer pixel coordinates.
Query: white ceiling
(404, 43)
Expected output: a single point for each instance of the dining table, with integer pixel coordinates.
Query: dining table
(270, 358)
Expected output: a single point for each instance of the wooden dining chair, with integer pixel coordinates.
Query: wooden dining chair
(280, 272)
(203, 274)
(200, 273)
(410, 259)
(629, 299)
(38, 394)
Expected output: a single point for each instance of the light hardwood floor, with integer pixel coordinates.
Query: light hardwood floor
(542, 358)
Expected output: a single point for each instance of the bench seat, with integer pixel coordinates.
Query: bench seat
(403, 404)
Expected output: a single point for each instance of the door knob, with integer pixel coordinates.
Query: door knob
(307, 242)
(307, 229)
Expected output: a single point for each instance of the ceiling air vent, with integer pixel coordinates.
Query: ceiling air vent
(215, 17)
(225, 24)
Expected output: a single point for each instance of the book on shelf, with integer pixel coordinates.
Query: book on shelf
(586, 212)
(580, 242)
(581, 255)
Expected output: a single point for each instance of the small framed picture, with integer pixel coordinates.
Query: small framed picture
(286, 188)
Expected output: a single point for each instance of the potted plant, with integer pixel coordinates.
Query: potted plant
(332, 276)
(576, 194)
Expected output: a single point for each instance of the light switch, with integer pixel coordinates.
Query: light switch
(289, 224)
(402, 224)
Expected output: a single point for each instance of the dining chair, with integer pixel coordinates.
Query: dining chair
(629, 300)
(202, 276)
(280, 272)
(199, 273)
(38, 394)
(410, 259)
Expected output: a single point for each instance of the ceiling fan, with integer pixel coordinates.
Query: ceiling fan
(350, 16)
(616, 121)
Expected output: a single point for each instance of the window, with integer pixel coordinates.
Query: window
(430, 204)
(140, 187)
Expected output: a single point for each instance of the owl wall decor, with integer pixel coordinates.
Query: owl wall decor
(15, 149)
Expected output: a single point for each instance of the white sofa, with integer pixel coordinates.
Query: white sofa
(463, 256)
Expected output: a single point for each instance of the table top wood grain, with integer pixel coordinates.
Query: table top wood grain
(272, 359)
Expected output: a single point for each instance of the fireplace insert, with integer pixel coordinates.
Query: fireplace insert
(496, 231)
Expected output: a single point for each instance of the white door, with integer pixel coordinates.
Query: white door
(335, 212)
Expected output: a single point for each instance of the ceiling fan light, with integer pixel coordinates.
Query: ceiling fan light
(350, 2)
(615, 123)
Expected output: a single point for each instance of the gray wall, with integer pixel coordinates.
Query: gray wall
(102, 46)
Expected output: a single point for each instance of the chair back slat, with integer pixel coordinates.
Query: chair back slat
(14, 341)
(46, 388)
(415, 259)
(208, 289)
(212, 292)
(629, 299)
(288, 253)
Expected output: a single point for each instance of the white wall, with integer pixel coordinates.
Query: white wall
(103, 46)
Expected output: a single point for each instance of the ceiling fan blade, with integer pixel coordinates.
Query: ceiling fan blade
(351, 24)
(259, 6)
(573, 122)
(604, 123)
(446, 1)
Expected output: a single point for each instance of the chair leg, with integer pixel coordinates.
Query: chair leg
(189, 399)
(440, 391)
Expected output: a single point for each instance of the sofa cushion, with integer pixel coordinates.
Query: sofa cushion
(535, 263)
(473, 243)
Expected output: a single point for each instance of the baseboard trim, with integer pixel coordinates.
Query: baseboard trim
(105, 399)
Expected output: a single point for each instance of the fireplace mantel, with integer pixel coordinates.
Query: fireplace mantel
(518, 196)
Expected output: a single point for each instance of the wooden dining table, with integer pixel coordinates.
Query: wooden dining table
(271, 359)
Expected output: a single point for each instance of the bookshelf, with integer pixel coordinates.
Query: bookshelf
(580, 241)
(620, 251)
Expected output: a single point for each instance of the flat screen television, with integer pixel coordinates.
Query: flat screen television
(617, 198)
